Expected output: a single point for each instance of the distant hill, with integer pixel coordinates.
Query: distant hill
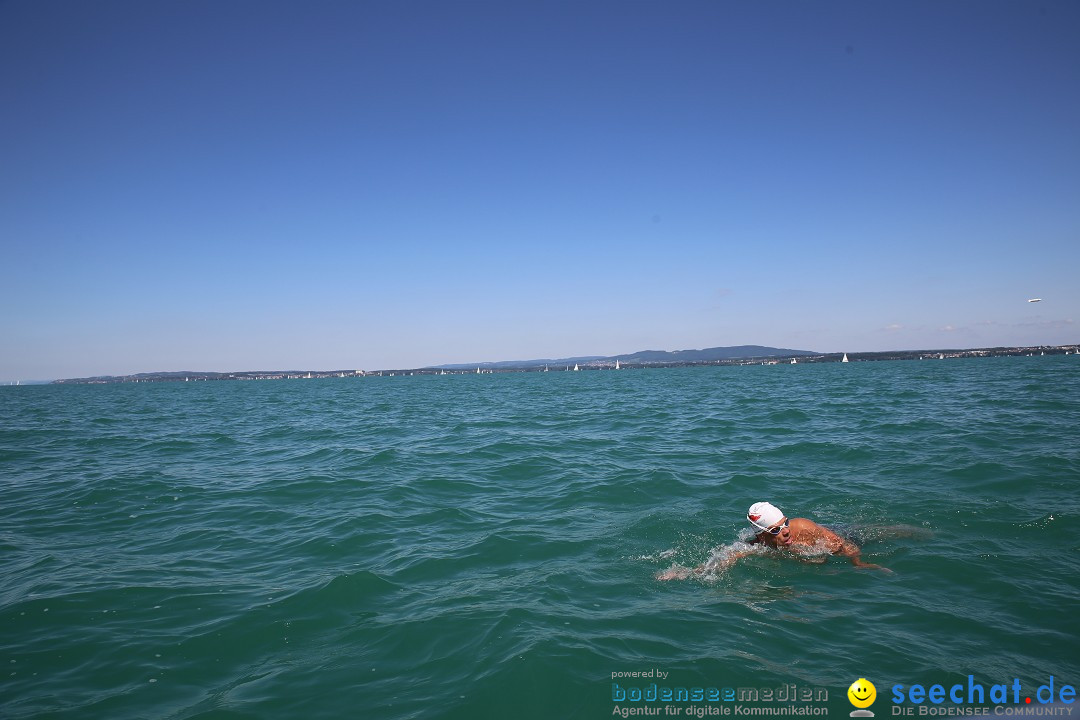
(711, 354)
(647, 356)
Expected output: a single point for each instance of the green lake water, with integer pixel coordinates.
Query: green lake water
(486, 546)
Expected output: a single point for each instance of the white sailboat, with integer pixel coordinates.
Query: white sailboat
(576, 368)
(845, 358)
(793, 361)
(617, 363)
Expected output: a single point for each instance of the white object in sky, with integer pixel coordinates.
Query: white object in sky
(1035, 300)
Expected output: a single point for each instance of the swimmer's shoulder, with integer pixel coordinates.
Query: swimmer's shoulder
(799, 525)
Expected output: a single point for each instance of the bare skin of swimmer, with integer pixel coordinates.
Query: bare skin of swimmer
(799, 533)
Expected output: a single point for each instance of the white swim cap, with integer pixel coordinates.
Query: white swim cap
(764, 515)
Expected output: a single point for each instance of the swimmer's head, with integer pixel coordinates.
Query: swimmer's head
(764, 515)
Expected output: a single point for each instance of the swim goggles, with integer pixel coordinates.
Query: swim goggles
(776, 530)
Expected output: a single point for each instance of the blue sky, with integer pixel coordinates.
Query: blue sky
(237, 185)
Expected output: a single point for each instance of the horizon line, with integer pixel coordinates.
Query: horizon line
(524, 364)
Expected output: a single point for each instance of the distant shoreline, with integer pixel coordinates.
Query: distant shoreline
(561, 366)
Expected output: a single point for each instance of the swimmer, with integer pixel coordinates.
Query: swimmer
(776, 530)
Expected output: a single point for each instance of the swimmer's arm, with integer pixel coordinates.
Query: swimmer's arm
(727, 561)
(839, 546)
(679, 573)
(857, 562)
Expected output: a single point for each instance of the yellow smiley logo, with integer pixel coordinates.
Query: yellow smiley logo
(862, 693)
